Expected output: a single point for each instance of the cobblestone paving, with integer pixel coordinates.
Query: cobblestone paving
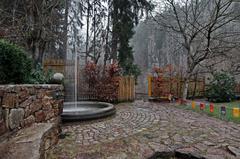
(140, 129)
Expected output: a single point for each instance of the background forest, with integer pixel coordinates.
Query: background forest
(199, 37)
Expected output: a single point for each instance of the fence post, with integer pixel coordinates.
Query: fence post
(133, 83)
(149, 85)
(129, 88)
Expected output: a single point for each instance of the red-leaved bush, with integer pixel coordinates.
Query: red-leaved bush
(92, 73)
(163, 80)
(113, 70)
(102, 82)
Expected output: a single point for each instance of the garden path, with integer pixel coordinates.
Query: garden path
(141, 129)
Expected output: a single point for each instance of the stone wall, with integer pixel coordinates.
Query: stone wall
(23, 105)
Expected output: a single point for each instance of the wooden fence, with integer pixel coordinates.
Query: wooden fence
(54, 65)
(175, 86)
(121, 89)
(237, 89)
(124, 92)
(126, 89)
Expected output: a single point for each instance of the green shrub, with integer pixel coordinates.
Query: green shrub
(221, 88)
(38, 76)
(132, 69)
(15, 66)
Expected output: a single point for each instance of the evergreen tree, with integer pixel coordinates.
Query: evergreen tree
(125, 15)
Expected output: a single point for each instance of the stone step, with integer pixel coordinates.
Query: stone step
(30, 143)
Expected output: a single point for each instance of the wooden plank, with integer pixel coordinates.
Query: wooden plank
(133, 88)
(128, 88)
(149, 86)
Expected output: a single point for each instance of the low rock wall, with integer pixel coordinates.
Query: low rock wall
(23, 105)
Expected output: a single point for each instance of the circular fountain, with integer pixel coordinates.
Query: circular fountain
(86, 110)
(74, 109)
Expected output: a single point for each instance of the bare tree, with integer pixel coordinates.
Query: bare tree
(87, 34)
(34, 24)
(198, 26)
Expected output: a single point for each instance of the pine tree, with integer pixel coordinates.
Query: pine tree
(125, 16)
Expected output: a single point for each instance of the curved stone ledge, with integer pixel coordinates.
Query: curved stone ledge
(31, 142)
(86, 110)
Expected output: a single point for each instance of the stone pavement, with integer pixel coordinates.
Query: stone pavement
(141, 129)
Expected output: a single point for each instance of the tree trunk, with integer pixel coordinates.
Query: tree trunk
(87, 35)
(114, 30)
(195, 85)
(66, 29)
(42, 48)
(14, 13)
(106, 55)
(190, 69)
(114, 45)
(185, 88)
(94, 32)
(35, 52)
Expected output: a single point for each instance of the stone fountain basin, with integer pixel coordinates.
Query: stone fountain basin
(86, 110)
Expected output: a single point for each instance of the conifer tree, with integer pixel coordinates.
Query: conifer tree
(125, 16)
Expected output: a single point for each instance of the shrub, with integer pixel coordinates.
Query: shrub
(102, 82)
(112, 70)
(38, 76)
(95, 73)
(92, 72)
(131, 69)
(221, 88)
(15, 66)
